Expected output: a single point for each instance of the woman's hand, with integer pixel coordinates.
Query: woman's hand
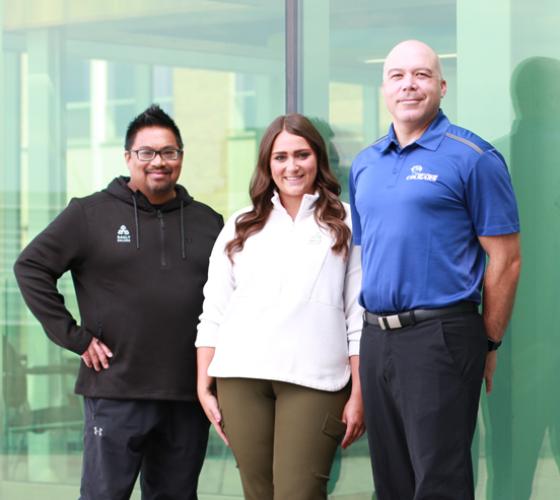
(205, 390)
(353, 413)
(353, 417)
(209, 404)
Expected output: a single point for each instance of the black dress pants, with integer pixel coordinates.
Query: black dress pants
(421, 387)
(164, 441)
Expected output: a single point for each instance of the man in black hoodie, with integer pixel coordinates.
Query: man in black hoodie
(138, 252)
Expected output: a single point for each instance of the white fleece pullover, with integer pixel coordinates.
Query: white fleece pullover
(287, 309)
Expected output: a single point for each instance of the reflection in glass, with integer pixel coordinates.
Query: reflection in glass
(75, 79)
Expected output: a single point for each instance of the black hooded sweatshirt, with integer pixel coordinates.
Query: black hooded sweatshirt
(138, 273)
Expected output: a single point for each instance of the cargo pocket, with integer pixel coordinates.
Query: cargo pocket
(334, 427)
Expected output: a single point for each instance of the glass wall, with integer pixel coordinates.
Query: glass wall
(501, 60)
(72, 74)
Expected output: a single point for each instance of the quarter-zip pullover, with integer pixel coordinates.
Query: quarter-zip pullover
(287, 308)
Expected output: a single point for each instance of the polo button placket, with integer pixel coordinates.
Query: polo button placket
(401, 156)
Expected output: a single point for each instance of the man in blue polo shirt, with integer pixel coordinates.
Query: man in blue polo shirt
(430, 202)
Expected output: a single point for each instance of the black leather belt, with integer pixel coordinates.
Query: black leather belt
(409, 318)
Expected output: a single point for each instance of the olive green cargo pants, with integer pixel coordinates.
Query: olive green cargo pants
(283, 436)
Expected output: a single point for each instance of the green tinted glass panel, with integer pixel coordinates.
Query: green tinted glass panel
(73, 75)
(501, 60)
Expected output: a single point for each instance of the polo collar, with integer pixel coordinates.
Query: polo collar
(430, 139)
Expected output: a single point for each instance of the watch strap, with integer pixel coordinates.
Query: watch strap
(493, 346)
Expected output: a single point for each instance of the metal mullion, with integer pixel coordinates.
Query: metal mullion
(292, 56)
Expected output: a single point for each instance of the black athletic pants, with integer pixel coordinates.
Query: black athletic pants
(164, 441)
(421, 387)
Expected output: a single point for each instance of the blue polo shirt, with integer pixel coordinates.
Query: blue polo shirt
(417, 213)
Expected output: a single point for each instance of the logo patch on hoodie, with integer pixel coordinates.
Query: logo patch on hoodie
(123, 235)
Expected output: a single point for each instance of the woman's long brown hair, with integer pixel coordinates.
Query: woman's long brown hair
(329, 211)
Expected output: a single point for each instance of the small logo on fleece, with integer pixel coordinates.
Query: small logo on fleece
(98, 431)
(315, 239)
(418, 175)
(123, 235)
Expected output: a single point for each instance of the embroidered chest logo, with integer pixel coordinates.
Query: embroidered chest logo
(418, 175)
(123, 235)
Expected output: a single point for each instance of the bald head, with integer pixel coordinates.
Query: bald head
(412, 51)
(413, 88)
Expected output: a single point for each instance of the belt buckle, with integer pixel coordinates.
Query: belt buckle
(391, 322)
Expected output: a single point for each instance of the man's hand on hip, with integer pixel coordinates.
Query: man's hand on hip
(97, 355)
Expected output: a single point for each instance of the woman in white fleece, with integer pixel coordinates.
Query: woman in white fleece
(278, 338)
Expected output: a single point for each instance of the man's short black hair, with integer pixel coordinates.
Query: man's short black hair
(154, 116)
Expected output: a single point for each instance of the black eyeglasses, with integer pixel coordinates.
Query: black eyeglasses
(170, 154)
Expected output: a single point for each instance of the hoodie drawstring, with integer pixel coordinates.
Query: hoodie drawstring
(136, 222)
(183, 253)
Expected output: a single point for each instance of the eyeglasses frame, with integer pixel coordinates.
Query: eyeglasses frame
(157, 152)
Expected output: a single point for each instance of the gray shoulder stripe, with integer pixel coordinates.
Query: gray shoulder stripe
(379, 140)
(465, 141)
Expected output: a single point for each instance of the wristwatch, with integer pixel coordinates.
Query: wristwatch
(493, 346)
